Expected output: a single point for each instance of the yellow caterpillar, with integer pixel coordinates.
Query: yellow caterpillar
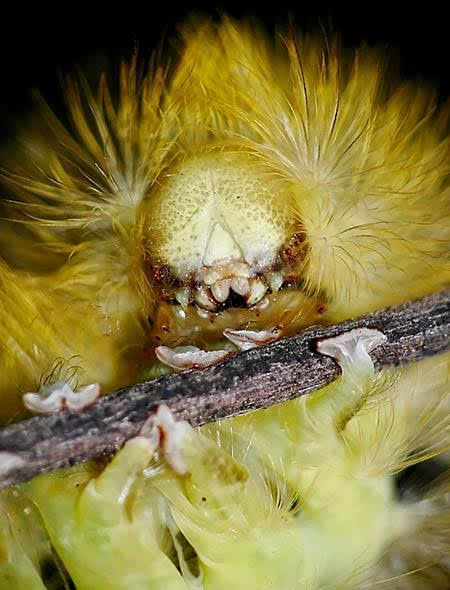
(255, 189)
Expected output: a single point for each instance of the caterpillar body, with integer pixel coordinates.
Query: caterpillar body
(255, 189)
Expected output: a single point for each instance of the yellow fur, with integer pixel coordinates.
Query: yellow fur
(356, 164)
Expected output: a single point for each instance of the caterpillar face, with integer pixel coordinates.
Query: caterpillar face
(225, 251)
(221, 233)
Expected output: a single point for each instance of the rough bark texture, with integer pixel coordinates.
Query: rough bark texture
(244, 382)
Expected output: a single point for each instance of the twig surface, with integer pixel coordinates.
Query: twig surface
(247, 381)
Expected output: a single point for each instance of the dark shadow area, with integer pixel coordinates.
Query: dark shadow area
(39, 45)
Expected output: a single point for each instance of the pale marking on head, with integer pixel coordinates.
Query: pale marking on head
(221, 246)
(217, 207)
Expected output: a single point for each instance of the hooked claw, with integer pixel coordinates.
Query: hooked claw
(189, 357)
(247, 339)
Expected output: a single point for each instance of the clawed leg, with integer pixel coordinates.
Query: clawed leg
(169, 434)
(59, 396)
(351, 349)
(107, 527)
(340, 400)
(247, 339)
(189, 357)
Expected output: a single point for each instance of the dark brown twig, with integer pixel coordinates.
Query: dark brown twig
(247, 381)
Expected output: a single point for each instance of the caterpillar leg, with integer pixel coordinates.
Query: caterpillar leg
(109, 527)
(59, 396)
(191, 357)
(292, 462)
(228, 513)
(266, 493)
(247, 339)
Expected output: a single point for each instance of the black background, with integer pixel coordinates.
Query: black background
(41, 43)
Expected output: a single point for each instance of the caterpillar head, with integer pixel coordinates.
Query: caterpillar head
(221, 233)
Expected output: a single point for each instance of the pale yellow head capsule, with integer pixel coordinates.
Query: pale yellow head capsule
(217, 228)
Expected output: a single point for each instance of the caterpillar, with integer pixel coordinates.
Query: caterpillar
(254, 189)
